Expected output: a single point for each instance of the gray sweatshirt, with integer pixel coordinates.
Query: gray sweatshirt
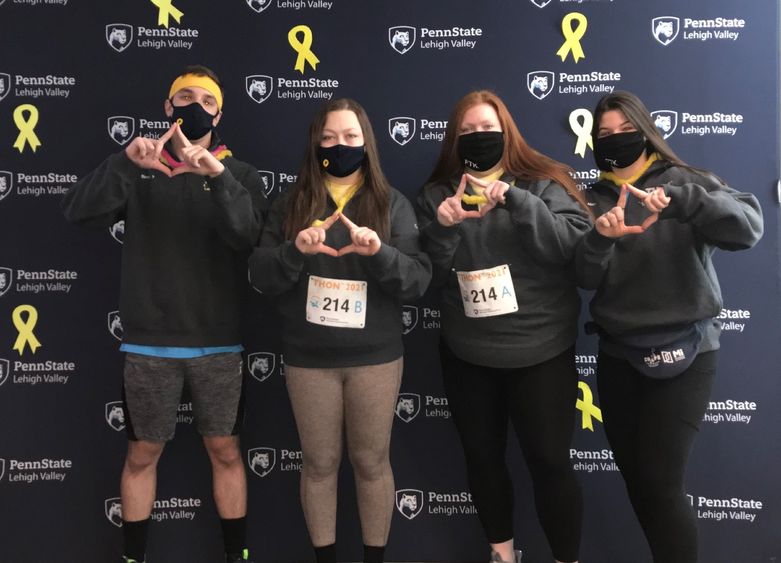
(400, 272)
(664, 277)
(535, 233)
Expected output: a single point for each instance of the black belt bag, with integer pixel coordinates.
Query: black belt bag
(661, 353)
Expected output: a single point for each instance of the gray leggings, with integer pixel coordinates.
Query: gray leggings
(362, 399)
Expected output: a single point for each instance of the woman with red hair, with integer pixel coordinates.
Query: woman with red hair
(500, 222)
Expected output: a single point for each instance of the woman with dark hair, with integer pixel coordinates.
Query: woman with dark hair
(649, 259)
(500, 222)
(339, 256)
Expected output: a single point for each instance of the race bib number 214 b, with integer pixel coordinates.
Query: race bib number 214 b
(338, 303)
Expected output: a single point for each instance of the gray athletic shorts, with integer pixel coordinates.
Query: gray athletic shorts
(152, 392)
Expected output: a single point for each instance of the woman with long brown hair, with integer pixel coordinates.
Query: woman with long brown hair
(500, 222)
(649, 258)
(339, 256)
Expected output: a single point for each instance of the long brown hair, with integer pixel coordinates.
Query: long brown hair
(639, 116)
(518, 159)
(309, 196)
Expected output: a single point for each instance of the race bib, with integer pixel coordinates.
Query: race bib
(332, 302)
(488, 293)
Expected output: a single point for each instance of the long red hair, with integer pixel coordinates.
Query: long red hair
(519, 159)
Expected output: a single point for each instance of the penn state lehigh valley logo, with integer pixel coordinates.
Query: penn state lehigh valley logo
(665, 29)
(267, 181)
(402, 129)
(540, 83)
(407, 406)
(259, 87)
(261, 365)
(113, 511)
(666, 120)
(115, 415)
(121, 128)
(409, 502)
(259, 5)
(540, 3)
(5, 85)
(119, 36)
(402, 38)
(6, 184)
(5, 368)
(409, 318)
(117, 231)
(2, 468)
(262, 460)
(6, 280)
(115, 325)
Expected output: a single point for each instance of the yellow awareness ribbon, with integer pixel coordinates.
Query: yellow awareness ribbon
(582, 130)
(25, 328)
(165, 9)
(587, 406)
(26, 127)
(340, 196)
(303, 47)
(573, 36)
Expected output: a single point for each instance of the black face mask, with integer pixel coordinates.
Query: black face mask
(194, 121)
(618, 150)
(341, 160)
(482, 150)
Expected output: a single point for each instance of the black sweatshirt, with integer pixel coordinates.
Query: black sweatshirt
(186, 243)
(400, 272)
(535, 232)
(665, 277)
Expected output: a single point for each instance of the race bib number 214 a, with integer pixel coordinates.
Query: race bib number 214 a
(488, 293)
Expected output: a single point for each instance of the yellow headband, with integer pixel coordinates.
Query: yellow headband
(189, 80)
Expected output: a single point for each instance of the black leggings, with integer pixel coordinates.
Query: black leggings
(651, 425)
(540, 401)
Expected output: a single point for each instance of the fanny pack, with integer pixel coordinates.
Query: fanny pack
(661, 353)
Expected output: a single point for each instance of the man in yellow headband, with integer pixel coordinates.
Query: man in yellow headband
(192, 214)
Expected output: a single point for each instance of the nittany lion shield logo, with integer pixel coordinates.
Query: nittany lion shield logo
(121, 128)
(5, 85)
(115, 325)
(409, 502)
(261, 365)
(666, 120)
(113, 511)
(6, 280)
(5, 368)
(119, 36)
(540, 83)
(267, 181)
(402, 129)
(259, 87)
(401, 38)
(2, 468)
(117, 231)
(409, 318)
(115, 415)
(6, 184)
(262, 460)
(665, 29)
(407, 406)
(540, 3)
(259, 5)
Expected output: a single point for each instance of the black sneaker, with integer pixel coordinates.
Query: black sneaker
(242, 557)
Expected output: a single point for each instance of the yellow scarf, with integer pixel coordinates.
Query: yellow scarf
(479, 199)
(341, 194)
(611, 176)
